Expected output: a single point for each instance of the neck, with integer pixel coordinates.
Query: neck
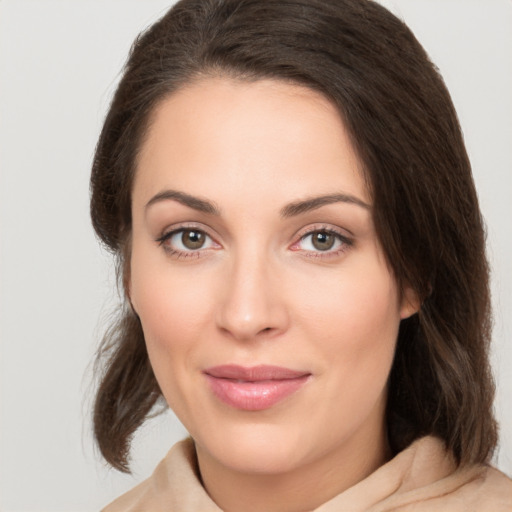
(300, 489)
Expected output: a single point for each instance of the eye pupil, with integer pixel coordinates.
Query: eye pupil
(323, 241)
(192, 239)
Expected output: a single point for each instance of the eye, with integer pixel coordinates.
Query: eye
(322, 241)
(191, 239)
(186, 240)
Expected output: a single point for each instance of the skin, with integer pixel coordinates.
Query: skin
(259, 292)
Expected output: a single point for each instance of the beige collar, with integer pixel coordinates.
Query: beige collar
(422, 478)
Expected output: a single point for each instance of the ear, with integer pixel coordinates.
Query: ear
(410, 303)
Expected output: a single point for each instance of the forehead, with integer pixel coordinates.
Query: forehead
(266, 137)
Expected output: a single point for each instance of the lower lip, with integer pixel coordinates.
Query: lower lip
(254, 396)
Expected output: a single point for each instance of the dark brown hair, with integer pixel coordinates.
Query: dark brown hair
(405, 130)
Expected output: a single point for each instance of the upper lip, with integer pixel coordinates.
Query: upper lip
(254, 373)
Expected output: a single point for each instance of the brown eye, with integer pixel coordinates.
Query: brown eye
(186, 241)
(192, 239)
(322, 240)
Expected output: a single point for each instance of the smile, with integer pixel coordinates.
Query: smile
(255, 388)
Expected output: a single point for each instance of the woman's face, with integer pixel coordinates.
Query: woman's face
(269, 311)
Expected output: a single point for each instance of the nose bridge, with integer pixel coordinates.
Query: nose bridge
(252, 304)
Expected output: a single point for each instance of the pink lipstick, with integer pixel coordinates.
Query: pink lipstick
(254, 388)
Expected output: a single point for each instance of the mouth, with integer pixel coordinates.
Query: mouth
(254, 388)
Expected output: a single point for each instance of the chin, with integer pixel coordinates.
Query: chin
(259, 448)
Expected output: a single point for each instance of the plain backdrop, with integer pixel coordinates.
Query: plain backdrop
(59, 63)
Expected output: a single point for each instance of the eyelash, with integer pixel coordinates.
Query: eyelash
(176, 253)
(345, 241)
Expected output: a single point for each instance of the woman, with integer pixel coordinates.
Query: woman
(287, 191)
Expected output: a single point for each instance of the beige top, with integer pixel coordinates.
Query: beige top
(422, 478)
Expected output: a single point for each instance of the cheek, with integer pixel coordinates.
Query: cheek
(167, 300)
(353, 322)
(354, 316)
(173, 314)
(164, 311)
(172, 325)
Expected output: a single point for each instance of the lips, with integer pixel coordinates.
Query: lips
(254, 388)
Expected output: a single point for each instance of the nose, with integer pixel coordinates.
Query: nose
(252, 305)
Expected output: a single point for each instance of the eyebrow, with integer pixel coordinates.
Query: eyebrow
(299, 207)
(196, 203)
(290, 210)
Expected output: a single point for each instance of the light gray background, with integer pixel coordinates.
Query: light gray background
(59, 63)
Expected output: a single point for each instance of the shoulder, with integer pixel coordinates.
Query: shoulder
(490, 490)
(432, 482)
(173, 486)
(144, 496)
(425, 477)
(132, 501)
(476, 488)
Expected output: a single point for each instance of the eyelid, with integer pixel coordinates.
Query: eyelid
(185, 225)
(172, 230)
(346, 240)
(313, 228)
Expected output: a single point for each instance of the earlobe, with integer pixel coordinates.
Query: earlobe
(410, 303)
